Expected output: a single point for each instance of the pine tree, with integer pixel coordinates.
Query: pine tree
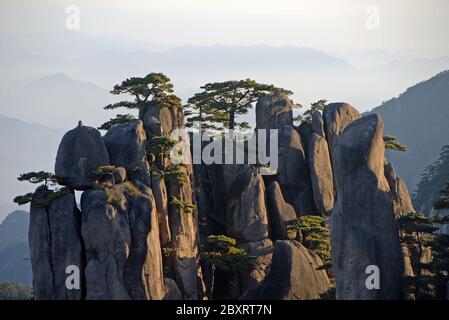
(47, 191)
(392, 143)
(314, 107)
(220, 103)
(221, 253)
(119, 119)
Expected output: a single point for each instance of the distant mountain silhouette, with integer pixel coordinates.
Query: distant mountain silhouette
(59, 102)
(14, 252)
(419, 118)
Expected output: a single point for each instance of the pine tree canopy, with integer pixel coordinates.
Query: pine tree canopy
(219, 104)
(393, 143)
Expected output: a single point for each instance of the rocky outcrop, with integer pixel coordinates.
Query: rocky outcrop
(321, 174)
(184, 235)
(274, 111)
(336, 117)
(280, 213)
(55, 245)
(293, 275)
(158, 121)
(172, 291)
(161, 199)
(126, 147)
(246, 213)
(318, 124)
(364, 231)
(143, 274)
(402, 201)
(293, 171)
(80, 153)
(107, 238)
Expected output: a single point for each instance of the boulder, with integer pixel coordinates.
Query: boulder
(293, 275)
(80, 153)
(119, 175)
(262, 250)
(280, 213)
(274, 111)
(157, 120)
(364, 231)
(126, 146)
(336, 117)
(318, 124)
(321, 174)
(246, 213)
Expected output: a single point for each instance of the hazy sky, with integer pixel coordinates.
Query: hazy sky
(404, 25)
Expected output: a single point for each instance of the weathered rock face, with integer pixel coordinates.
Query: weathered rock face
(280, 213)
(318, 124)
(39, 236)
(321, 174)
(67, 248)
(143, 274)
(107, 238)
(305, 130)
(272, 112)
(55, 244)
(364, 231)
(402, 201)
(183, 226)
(246, 213)
(126, 146)
(172, 291)
(336, 117)
(293, 172)
(161, 199)
(80, 153)
(292, 275)
(158, 121)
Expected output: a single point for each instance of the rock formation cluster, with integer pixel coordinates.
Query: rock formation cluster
(131, 238)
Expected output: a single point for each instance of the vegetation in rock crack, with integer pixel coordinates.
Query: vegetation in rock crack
(314, 107)
(119, 119)
(315, 236)
(116, 193)
(392, 143)
(184, 206)
(45, 193)
(162, 146)
(220, 103)
(429, 255)
(221, 253)
(15, 291)
(176, 172)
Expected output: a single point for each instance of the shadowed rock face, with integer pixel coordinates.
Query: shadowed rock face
(80, 153)
(246, 213)
(55, 244)
(321, 174)
(159, 120)
(292, 275)
(126, 147)
(280, 213)
(364, 231)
